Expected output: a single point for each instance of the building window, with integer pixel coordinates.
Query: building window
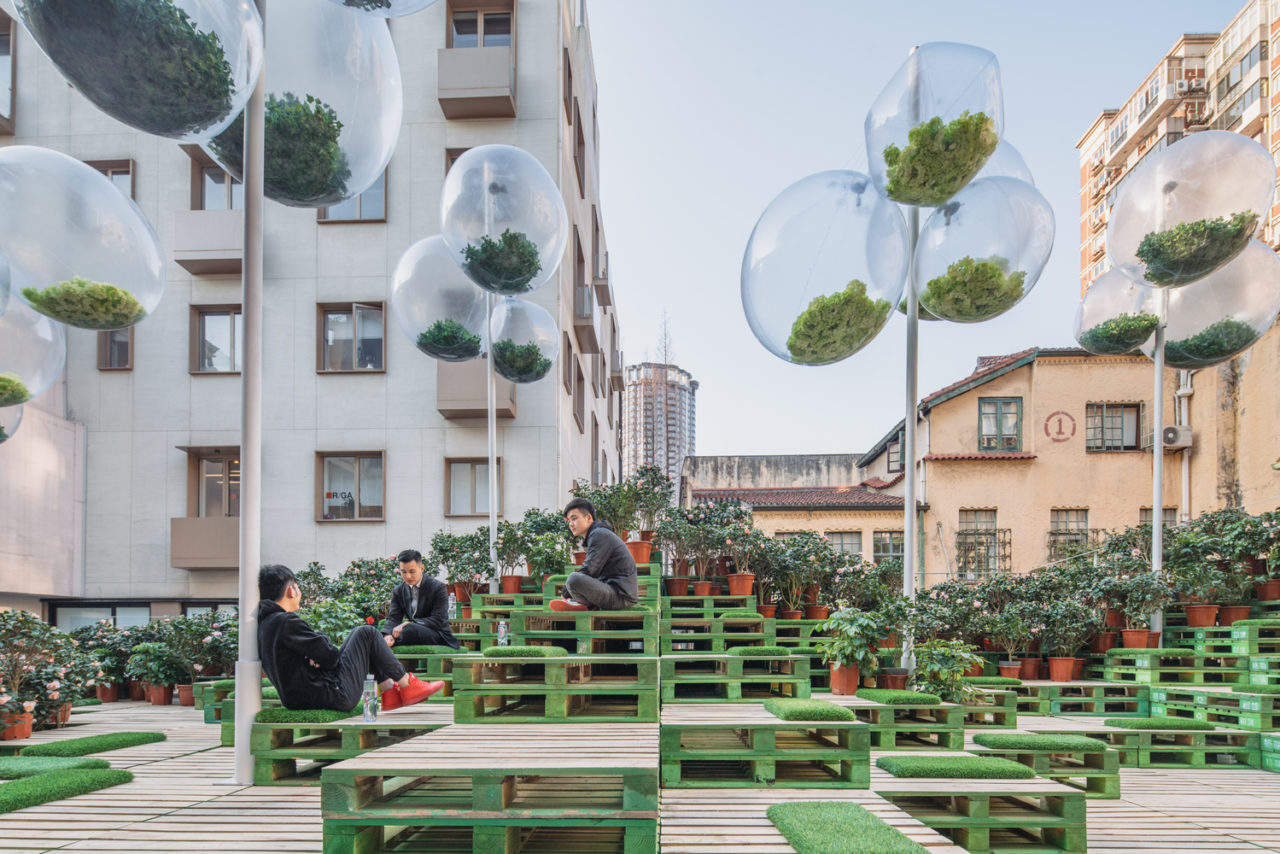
(1169, 516)
(350, 337)
(466, 487)
(118, 172)
(894, 453)
(115, 350)
(886, 545)
(568, 87)
(369, 206)
(217, 485)
(1000, 424)
(1112, 427)
(597, 470)
(70, 617)
(579, 152)
(451, 156)
(579, 397)
(784, 535)
(849, 542)
(569, 361)
(8, 69)
(219, 191)
(216, 339)
(1067, 528)
(473, 28)
(981, 548)
(351, 487)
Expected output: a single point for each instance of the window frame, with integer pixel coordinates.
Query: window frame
(321, 456)
(1163, 510)
(448, 487)
(323, 218)
(324, 308)
(568, 87)
(107, 167)
(226, 460)
(1090, 444)
(196, 316)
(198, 200)
(579, 397)
(1000, 402)
(9, 123)
(893, 454)
(842, 534)
(579, 151)
(481, 9)
(104, 349)
(894, 538)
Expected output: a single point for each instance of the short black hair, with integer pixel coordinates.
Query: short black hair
(409, 556)
(580, 504)
(273, 580)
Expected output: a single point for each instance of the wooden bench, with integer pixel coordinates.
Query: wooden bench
(1093, 770)
(1165, 748)
(904, 727)
(993, 708)
(588, 632)
(543, 690)
(708, 678)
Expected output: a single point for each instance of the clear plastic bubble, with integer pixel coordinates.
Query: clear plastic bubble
(79, 251)
(1113, 317)
(435, 304)
(826, 262)
(176, 68)
(1190, 208)
(1221, 315)
(1006, 162)
(334, 105)
(525, 340)
(4, 283)
(935, 123)
(981, 253)
(387, 8)
(10, 421)
(504, 218)
(33, 350)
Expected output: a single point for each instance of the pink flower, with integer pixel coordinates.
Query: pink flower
(28, 704)
(53, 695)
(208, 639)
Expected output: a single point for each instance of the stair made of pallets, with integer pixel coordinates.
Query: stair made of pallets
(682, 635)
(704, 606)
(588, 632)
(1264, 670)
(227, 719)
(1269, 749)
(1094, 772)
(908, 727)
(1081, 698)
(993, 708)
(475, 633)
(1175, 667)
(711, 678)
(1256, 712)
(577, 688)
(741, 746)
(1168, 748)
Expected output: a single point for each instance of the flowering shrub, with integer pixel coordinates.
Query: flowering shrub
(465, 557)
(335, 618)
(40, 668)
(367, 584)
(107, 646)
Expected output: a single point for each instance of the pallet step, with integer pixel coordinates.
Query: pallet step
(908, 727)
(291, 755)
(992, 709)
(1171, 748)
(1096, 773)
(578, 688)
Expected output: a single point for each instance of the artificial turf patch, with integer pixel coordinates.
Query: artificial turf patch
(990, 680)
(795, 709)
(760, 651)
(426, 649)
(890, 697)
(955, 767)
(525, 652)
(281, 715)
(56, 785)
(1164, 650)
(1256, 689)
(740, 614)
(1266, 622)
(13, 767)
(838, 827)
(91, 744)
(230, 684)
(1158, 723)
(1022, 741)
(267, 694)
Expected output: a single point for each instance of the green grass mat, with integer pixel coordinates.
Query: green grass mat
(56, 785)
(1256, 689)
(1158, 723)
(524, 652)
(955, 767)
(13, 767)
(793, 709)
(281, 715)
(91, 744)
(1022, 741)
(990, 681)
(834, 827)
(426, 649)
(760, 651)
(890, 697)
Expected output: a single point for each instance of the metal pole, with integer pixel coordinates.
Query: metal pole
(249, 667)
(491, 391)
(1157, 454)
(909, 422)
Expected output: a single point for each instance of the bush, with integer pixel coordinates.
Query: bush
(85, 701)
(56, 785)
(87, 305)
(1121, 334)
(14, 767)
(833, 327)
(1158, 723)
(1212, 344)
(520, 363)
(838, 827)
(506, 265)
(91, 744)
(1189, 250)
(281, 715)
(990, 680)
(974, 289)
(449, 340)
(792, 709)
(1056, 742)
(760, 651)
(156, 663)
(939, 158)
(889, 697)
(940, 666)
(524, 652)
(41, 668)
(955, 767)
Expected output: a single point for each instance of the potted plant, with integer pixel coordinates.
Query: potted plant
(743, 544)
(941, 666)
(653, 491)
(16, 716)
(832, 327)
(13, 391)
(465, 559)
(1215, 342)
(546, 554)
(520, 363)
(449, 340)
(974, 289)
(1121, 334)
(1190, 250)
(1144, 594)
(1237, 593)
(156, 665)
(1195, 576)
(939, 158)
(506, 265)
(1068, 623)
(509, 546)
(849, 647)
(672, 535)
(1011, 629)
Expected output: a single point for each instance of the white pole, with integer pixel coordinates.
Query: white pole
(909, 519)
(491, 391)
(1157, 454)
(249, 667)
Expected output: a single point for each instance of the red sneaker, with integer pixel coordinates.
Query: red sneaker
(391, 699)
(417, 690)
(567, 605)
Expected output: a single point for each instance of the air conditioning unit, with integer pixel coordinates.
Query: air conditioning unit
(1197, 83)
(1176, 437)
(1182, 86)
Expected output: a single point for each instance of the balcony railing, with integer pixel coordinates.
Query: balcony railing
(616, 380)
(204, 542)
(600, 278)
(584, 319)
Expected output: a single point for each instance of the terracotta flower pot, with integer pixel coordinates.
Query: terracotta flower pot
(892, 678)
(646, 536)
(1257, 565)
(702, 588)
(462, 591)
(1228, 614)
(740, 583)
(682, 567)
(1077, 668)
(186, 695)
(891, 641)
(18, 726)
(811, 594)
(767, 610)
(1201, 616)
(160, 695)
(1030, 668)
(1268, 591)
(845, 679)
(1061, 669)
(976, 670)
(1115, 618)
(639, 551)
(106, 692)
(1135, 638)
(579, 556)
(1102, 642)
(1153, 639)
(790, 614)
(1009, 669)
(816, 612)
(623, 534)
(677, 586)
(511, 584)
(466, 612)
(137, 691)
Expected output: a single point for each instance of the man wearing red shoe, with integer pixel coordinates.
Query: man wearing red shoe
(308, 671)
(607, 579)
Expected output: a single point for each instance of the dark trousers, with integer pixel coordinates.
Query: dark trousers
(595, 594)
(416, 634)
(364, 651)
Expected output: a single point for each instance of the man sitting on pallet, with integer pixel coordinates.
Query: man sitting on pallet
(419, 610)
(309, 671)
(607, 580)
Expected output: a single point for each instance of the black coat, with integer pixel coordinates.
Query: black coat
(609, 560)
(433, 609)
(287, 646)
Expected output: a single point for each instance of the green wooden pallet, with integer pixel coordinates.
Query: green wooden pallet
(293, 755)
(1257, 712)
(722, 746)
(991, 709)
(1177, 675)
(475, 633)
(588, 632)
(711, 678)
(227, 719)
(1264, 670)
(714, 634)
(909, 727)
(584, 689)
(1097, 699)
(1173, 748)
(800, 633)
(501, 605)
(1210, 640)
(1255, 640)
(1094, 772)
(704, 606)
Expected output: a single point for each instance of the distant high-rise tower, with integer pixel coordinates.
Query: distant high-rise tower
(658, 418)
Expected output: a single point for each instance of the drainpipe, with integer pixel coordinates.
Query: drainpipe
(1183, 417)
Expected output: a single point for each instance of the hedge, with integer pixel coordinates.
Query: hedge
(955, 767)
(890, 697)
(990, 680)
(836, 827)
(524, 652)
(1057, 742)
(91, 744)
(793, 709)
(13, 767)
(1158, 723)
(85, 701)
(761, 651)
(56, 785)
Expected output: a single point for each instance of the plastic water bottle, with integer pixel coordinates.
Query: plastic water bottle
(453, 607)
(370, 698)
(503, 639)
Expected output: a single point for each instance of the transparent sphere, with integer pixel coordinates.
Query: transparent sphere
(435, 304)
(1223, 314)
(334, 105)
(825, 264)
(935, 123)
(10, 421)
(1006, 162)
(176, 68)
(33, 350)
(1190, 208)
(79, 251)
(387, 8)
(502, 215)
(525, 340)
(981, 253)
(1114, 317)
(4, 283)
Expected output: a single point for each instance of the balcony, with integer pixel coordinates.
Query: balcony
(204, 542)
(584, 319)
(208, 243)
(600, 279)
(461, 391)
(617, 381)
(476, 82)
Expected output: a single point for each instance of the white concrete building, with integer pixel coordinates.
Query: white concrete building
(660, 423)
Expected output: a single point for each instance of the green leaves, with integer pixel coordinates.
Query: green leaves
(506, 265)
(834, 326)
(850, 641)
(87, 305)
(1190, 250)
(939, 158)
(974, 289)
(1119, 335)
(940, 667)
(13, 390)
(1215, 343)
(520, 363)
(449, 340)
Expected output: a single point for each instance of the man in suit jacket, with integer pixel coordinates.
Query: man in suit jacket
(419, 610)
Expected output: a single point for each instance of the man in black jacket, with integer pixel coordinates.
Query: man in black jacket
(607, 580)
(419, 610)
(308, 671)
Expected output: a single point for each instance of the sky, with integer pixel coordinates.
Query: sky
(709, 108)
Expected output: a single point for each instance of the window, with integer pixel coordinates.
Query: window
(369, 206)
(473, 28)
(1000, 424)
(579, 397)
(849, 542)
(71, 617)
(219, 191)
(569, 361)
(568, 87)
(977, 520)
(579, 152)
(1067, 528)
(980, 547)
(351, 487)
(783, 535)
(1169, 516)
(451, 156)
(466, 487)
(886, 545)
(216, 333)
(8, 68)
(894, 451)
(597, 470)
(115, 350)
(218, 485)
(1112, 427)
(350, 337)
(118, 172)
(229, 609)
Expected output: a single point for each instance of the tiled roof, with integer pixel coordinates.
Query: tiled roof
(804, 496)
(986, 365)
(994, 456)
(881, 483)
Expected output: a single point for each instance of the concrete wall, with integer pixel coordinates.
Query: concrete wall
(775, 470)
(867, 522)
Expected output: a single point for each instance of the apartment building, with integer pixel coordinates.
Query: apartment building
(660, 418)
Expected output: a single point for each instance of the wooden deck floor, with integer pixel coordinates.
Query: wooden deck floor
(180, 802)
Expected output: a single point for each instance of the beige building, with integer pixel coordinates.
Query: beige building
(129, 470)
